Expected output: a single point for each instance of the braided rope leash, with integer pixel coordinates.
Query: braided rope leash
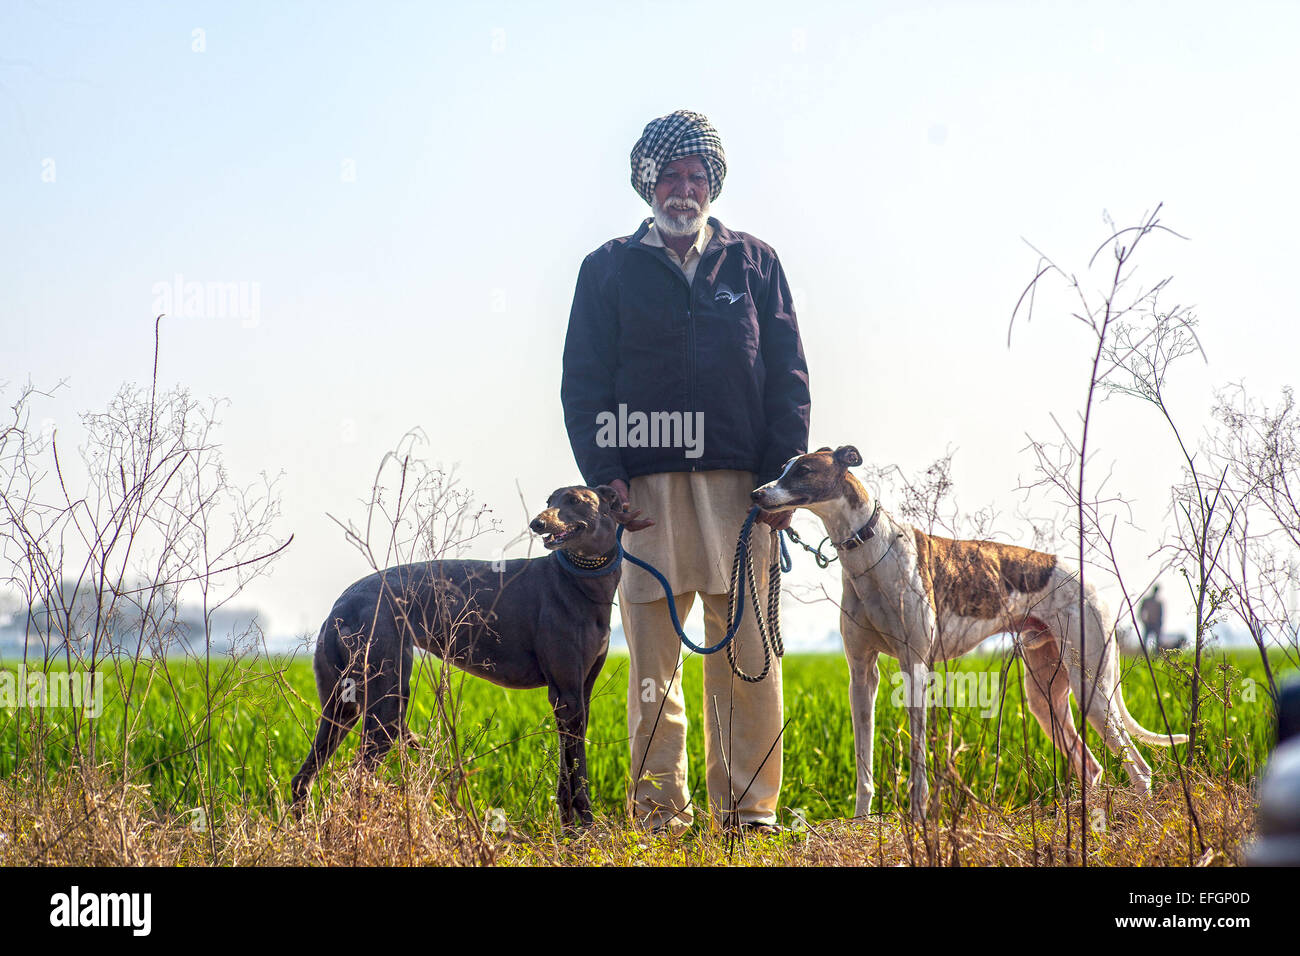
(769, 631)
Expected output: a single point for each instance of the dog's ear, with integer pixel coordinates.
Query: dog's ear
(847, 456)
(824, 448)
(609, 498)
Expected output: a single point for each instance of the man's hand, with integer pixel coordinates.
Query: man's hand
(631, 520)
(619, 485)
(628, 519)
(777, 520)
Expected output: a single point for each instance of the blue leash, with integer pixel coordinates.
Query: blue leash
(743, 542)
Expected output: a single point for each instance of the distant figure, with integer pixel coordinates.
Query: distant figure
(1152, 613)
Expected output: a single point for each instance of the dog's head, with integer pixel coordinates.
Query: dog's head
(809, 480)
(580, 520)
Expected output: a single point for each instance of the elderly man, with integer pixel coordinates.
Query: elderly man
(684, 388)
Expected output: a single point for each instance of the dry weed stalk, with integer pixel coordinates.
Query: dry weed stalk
(100, 569)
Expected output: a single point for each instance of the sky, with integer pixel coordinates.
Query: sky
(402, 194)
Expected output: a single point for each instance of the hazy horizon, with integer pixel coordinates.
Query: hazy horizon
(391, 202)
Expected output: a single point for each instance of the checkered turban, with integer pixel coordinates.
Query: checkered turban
(671, 137)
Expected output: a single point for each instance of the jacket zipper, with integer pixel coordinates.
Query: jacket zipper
(690, 329)
(690, 346)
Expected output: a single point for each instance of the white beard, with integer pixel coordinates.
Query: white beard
(679, 223)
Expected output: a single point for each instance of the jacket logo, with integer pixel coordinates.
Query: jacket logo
(726, 295)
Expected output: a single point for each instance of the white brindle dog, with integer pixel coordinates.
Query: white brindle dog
(921, 599)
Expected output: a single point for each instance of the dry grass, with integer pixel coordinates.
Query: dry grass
(86, 820)
(1137, 833)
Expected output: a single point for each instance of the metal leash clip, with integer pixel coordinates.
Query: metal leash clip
(821, 559)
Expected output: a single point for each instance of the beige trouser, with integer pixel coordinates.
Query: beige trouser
(742, 721)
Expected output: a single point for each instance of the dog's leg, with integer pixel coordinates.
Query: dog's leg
(339, 708)
(1105, 705)
(864, 678)
(571, 724)
(337, 718)
(917, 673)
(1088, 681)
(1047, 695)
(582, 793)
(1116, 736)
(382, 726)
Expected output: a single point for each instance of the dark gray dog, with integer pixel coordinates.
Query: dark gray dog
(527, 622)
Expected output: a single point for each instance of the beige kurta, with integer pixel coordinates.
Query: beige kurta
(697, 517)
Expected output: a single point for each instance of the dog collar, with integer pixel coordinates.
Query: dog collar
(590, 567)
(862, 535)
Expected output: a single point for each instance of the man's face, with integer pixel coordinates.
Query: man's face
(681, 205)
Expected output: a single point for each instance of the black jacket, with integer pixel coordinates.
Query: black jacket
(726, 346)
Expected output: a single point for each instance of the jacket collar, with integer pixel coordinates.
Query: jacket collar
(722, 236)
(654, 237)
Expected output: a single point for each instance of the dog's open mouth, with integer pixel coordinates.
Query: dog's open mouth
(555, 539)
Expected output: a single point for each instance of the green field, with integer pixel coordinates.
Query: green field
(230, 735)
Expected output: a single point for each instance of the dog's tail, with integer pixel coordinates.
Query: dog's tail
(1141, 733)
(1104, 623)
